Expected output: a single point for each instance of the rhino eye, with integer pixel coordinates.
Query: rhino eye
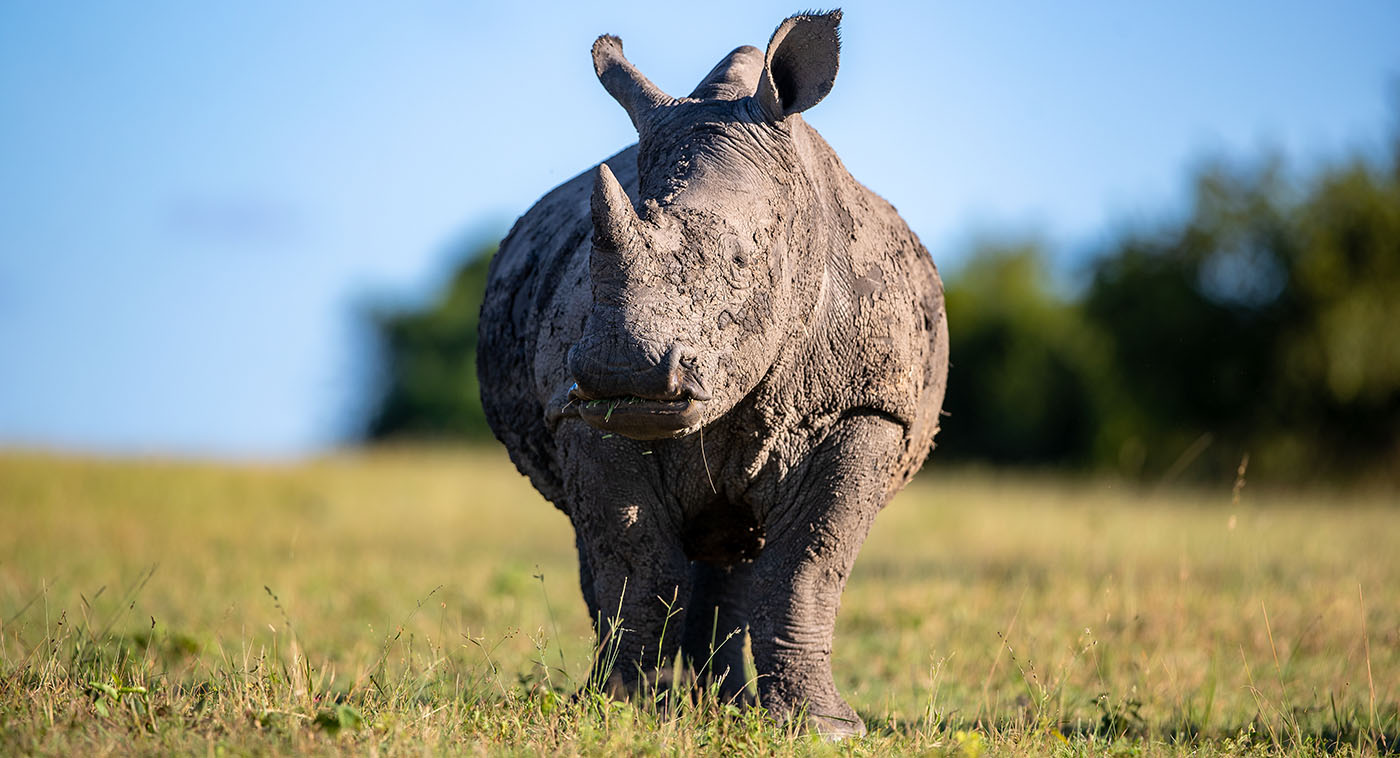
(737, 270)
(730, 244)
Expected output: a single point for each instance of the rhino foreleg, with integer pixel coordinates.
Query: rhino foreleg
(634, 572)
(813, 539)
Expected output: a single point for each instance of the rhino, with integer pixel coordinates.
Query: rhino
(720, 356)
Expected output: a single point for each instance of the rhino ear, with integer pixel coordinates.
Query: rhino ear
(732, 78)
(637, 95)
(800, 65)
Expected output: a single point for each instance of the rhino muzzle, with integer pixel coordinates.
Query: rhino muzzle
(619, 390)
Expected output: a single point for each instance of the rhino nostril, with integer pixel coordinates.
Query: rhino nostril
(604, 368)
(683, 379)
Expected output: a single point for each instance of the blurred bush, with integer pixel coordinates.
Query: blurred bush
(1267, 322)
(1263, 321)
(1027, 379)
(427, 373)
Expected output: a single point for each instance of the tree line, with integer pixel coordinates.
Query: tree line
(1263, 321)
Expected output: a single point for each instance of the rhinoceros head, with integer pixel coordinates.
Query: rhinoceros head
(692, 286)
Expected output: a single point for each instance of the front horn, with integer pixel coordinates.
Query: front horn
(614, 219)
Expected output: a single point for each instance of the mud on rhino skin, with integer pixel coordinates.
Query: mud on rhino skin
(720, 355)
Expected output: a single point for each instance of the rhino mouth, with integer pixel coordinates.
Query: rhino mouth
(638, 417)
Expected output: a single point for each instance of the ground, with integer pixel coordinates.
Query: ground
(425, 601)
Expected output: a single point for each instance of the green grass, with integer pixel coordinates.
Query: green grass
(420, 602)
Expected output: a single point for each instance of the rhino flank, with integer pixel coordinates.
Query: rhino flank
(720, 355)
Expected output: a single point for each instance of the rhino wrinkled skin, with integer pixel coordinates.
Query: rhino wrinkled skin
(720, 355)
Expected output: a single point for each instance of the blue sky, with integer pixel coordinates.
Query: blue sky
(197, 199)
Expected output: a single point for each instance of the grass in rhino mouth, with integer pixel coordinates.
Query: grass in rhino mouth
(616, 401)
(613, 403)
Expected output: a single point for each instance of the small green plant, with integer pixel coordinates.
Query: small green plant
(339, 718)
(109, 698)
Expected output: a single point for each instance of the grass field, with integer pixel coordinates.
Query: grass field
(421, 602)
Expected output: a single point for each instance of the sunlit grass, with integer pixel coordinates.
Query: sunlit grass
(415, 601)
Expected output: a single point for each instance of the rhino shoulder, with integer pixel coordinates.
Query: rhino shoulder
(526, 303)
(884, 324)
